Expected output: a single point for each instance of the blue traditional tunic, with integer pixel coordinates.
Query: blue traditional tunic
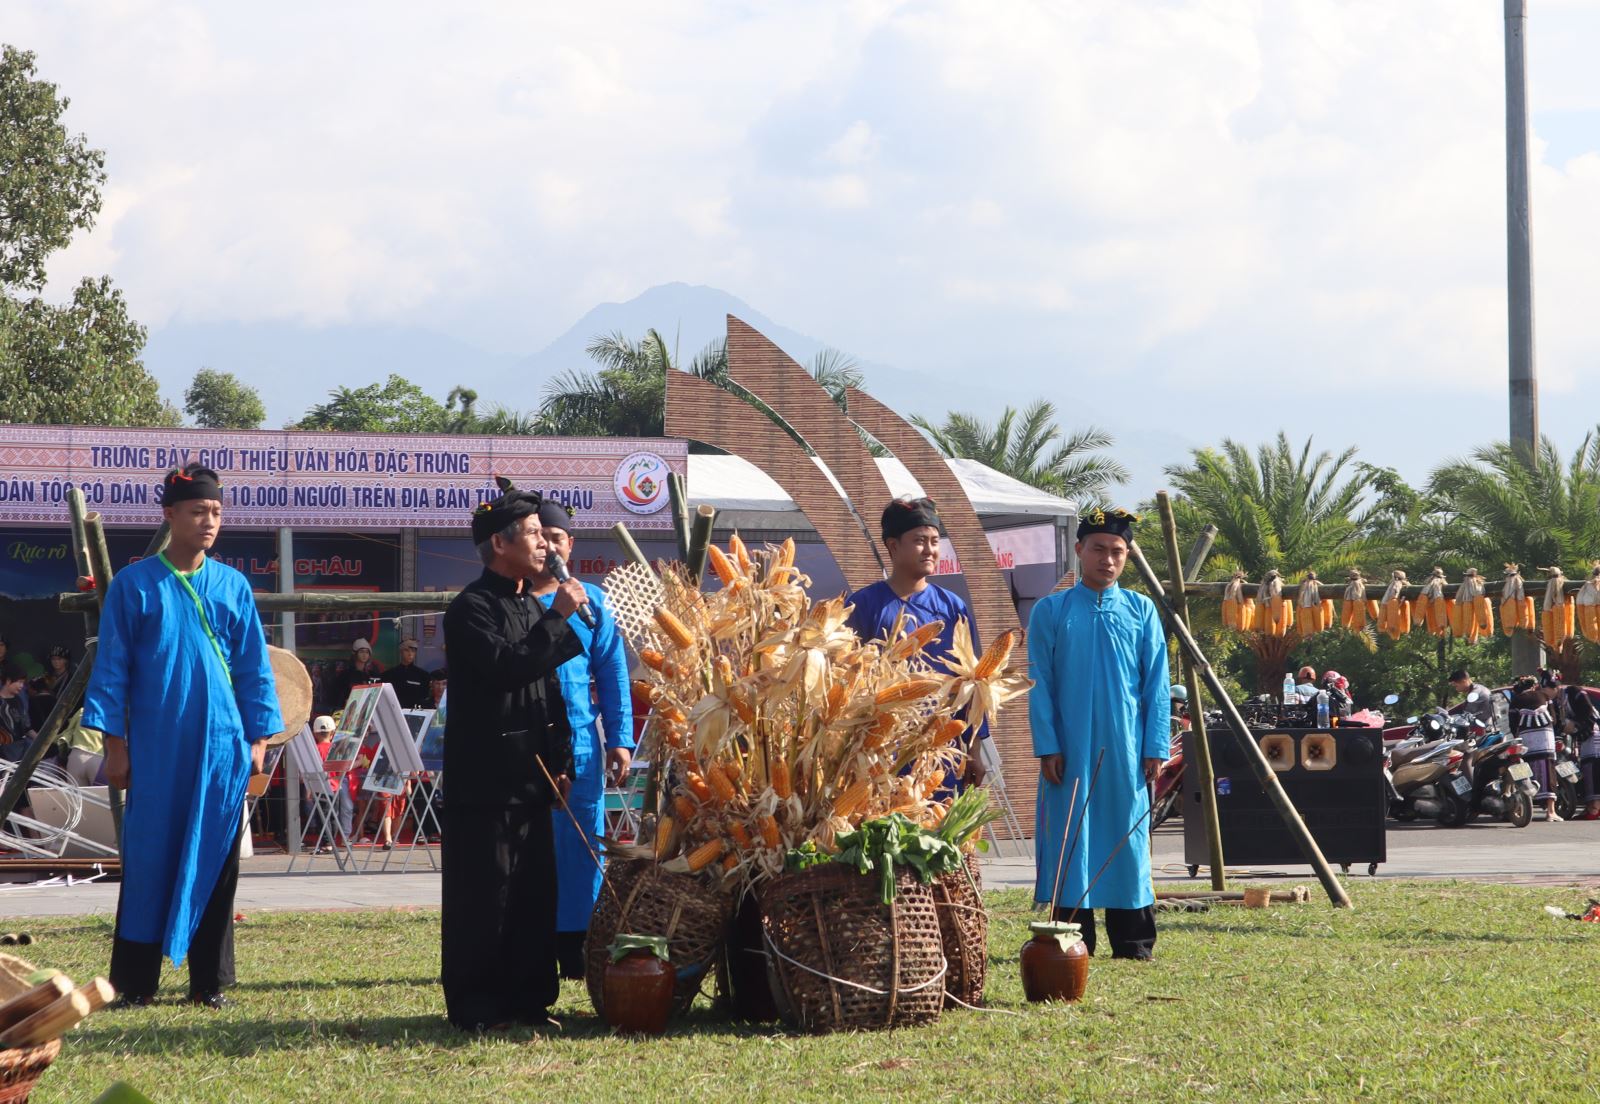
(160, 684)
(604, 664)
(877, 607)
(1099, 664)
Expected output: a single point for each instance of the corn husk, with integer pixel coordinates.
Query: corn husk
(1558, 620)
(1588, 603)
(1394, 609)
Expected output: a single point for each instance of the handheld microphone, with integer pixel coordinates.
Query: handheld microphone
(558, 569)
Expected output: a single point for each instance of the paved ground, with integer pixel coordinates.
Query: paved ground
(1543, 853)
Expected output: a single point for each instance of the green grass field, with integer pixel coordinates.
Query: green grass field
(1425, 992)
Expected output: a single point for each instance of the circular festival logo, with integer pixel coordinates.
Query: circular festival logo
(641, 483)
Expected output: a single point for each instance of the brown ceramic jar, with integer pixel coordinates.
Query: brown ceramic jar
(1055, 963)
(638, 992)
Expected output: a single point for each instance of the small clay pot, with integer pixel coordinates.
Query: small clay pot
(638, 993)
(1055, 963)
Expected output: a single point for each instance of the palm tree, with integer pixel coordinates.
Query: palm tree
(1500, 505)
(1033, 450)
(505, 421)
(1286, 510)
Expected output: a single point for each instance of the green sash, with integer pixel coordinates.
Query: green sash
(205, 622)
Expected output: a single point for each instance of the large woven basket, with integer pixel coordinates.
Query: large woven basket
(841, 959)
(691, 914)
(964, 930)
(21, 1069)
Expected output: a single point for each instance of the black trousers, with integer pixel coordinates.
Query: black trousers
(136, 967)
(1132, 932)
(498, 925)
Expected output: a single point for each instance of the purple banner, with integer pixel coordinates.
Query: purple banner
(332, 480)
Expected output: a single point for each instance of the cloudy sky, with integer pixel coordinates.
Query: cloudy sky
(1183, 219)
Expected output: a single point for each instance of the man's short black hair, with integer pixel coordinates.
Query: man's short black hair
(11, 671)
(1460, 676)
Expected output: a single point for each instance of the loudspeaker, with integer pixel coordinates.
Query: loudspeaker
(1333, 778)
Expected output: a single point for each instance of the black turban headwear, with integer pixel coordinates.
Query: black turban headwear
(189, 483)
(1116, 521)
(905, 514)
(553, 515)
(494, 515)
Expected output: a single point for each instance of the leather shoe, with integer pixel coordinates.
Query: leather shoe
(128, 1000)
(215, 1001)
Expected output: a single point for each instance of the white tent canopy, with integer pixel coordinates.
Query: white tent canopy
(736, 486)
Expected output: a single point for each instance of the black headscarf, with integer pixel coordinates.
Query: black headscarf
(553, 515)
(905, 514)
(190, 483)
(512, 505)
(1116, 521)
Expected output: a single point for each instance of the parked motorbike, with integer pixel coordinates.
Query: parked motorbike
(1498, 783)
(1566, 779)
(1419, 770)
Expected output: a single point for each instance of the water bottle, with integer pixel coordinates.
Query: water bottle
(1322, 710)
(1289, 696)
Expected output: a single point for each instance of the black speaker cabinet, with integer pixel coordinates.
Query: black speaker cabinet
(1334, 777)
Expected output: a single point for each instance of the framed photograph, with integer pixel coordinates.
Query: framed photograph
(431, 744)
(381, 775)
(358, 710)
(342, 752)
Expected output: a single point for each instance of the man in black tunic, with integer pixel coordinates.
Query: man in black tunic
(506, 714)
(410, 682)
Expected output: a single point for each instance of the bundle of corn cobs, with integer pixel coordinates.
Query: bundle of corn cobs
(773, 725)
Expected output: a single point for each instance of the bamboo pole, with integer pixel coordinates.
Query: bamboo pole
(1215, 588)
(158, 543)
(100, 567)
(1241, 733)
(1199, 554)
(678, 503)
(700, 541)
(1201, 750)
(630, 547)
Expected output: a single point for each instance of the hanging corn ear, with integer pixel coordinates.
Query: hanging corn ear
(1394, 610)
(1355, 611)
(853, 800)
(726, 572)
(1328, 615)
(1308, 606)
(741, 554)
(908, 691)
(995, 656)
(770, 836)
(779, 778)
(706, 854)
(916, 640)
(1558, 619)
(1588, 603)
(1248, 615)
(740, 834)
(1271, 604)
(722, 790)
(1512, 606)
(1233, 603)
(675, 630)
(1430, 609)
(1467, 618)
(665, 831)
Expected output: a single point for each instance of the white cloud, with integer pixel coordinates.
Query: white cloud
(1206, 192)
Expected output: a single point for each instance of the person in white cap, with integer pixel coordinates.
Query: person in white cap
(344, 802)
(410, 682)
(362, 670)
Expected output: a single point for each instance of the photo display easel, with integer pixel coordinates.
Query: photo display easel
(381, 736)
(322, 791)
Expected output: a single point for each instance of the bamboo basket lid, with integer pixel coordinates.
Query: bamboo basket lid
(294, 693)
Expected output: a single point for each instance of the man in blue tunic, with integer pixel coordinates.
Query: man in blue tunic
(1098, 658)
(600, 672)
(911, 538)
(183, 691)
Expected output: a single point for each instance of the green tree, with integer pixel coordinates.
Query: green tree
(394, 406)
(77, 362)
(220, 400)
(1500, 506)
(49, 179)
(1033, 449)
(1287, 510)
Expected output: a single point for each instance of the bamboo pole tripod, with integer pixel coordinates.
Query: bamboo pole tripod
(1241, 733)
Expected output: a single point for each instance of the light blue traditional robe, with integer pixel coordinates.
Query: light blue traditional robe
(1099, 664)
(159, 684)
(604, 664)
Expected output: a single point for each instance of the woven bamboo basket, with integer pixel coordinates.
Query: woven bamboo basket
(687, 911)
(21, 1069)
(964, 930)
(841, 959)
